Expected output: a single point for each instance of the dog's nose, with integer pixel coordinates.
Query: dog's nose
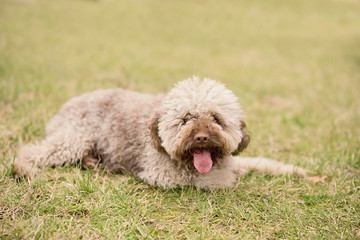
(201, 137)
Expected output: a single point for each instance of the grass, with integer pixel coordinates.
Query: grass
(294, 65)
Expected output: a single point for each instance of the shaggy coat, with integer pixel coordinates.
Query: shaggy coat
(190, 136)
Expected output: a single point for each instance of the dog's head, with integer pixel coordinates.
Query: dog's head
(199, 123)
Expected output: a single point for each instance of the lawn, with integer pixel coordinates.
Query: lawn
(295, 66)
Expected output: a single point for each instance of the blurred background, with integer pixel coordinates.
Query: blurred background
(293, 64)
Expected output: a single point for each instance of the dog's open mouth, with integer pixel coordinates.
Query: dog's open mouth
(202, 159)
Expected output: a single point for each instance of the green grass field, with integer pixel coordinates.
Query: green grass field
(295, 66)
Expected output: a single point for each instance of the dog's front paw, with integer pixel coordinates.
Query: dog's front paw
(293, 170)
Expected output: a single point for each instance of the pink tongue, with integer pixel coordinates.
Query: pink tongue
(202, 161)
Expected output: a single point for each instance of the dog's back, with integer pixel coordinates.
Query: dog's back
(106, 127)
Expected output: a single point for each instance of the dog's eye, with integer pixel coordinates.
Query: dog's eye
(217, 120)
(184, 121)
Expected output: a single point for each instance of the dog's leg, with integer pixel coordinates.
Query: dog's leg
(243, 165)
(216, 178)
(56, 150)
(225, 175)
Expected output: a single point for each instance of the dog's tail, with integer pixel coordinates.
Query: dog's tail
(268, 166)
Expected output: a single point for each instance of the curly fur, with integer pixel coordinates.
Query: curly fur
(154, 138)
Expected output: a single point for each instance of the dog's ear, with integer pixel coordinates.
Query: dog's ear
(154, 133)
(244, 141)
